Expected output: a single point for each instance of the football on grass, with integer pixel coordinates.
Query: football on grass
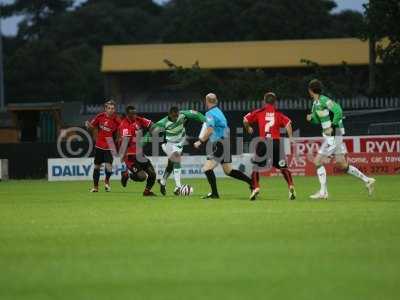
(186, 190)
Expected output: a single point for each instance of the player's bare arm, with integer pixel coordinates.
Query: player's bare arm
(249, 129)
(123, 144)
(204, 138)
(289, 130)
(89, 125)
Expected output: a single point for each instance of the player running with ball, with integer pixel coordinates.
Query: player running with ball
(139, 166)
(173, 127)
(329, 115)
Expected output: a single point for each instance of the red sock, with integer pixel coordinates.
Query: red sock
(255, 178)
(288, 176)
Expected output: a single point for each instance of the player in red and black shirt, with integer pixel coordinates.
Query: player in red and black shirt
(270, 121)
(107, 124)
(137, 163)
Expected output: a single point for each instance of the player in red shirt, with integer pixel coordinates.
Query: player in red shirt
(107, 124)
(137, 163)
(269, 121)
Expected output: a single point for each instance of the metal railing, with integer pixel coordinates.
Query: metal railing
(384, 128)
(287, 104)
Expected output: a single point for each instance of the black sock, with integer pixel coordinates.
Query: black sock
(151, 177)
(96, 177)
(212, 180)
(168, 169)
(240, 175)
(108, 175)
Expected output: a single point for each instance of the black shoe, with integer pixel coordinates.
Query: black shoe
(163, 189)
(177, 191)
(210, 196)
(124, 179)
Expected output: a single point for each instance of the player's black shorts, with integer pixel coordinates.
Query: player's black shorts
(270, 153)
(139, 164)
(136, 164)
(220, 152)
(102, 156)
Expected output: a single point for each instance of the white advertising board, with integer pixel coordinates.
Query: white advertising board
(3, 169)
(73, 169)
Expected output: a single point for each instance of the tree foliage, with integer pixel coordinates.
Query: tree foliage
(37, 15)
(382, 21)
(243, 20)
(57, 52)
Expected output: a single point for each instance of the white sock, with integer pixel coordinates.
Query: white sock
(177, 176)
(321, 172)
(357, 173)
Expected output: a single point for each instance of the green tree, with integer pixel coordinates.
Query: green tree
(99, 23)
(37, 14)
(58, 50)
(382, 21)
(234, 20)
(347, 23)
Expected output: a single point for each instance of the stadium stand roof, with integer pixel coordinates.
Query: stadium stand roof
(235, 55)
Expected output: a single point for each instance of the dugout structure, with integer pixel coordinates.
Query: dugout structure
(36, 122)
(126, 67)
(235, 55)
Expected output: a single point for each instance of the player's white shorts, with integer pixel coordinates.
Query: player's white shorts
(333, 146)
(170, 148)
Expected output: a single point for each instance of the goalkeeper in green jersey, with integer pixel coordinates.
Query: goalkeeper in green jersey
(173, 127)
(329, 115)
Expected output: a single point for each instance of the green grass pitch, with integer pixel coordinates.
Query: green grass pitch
(57, 241)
